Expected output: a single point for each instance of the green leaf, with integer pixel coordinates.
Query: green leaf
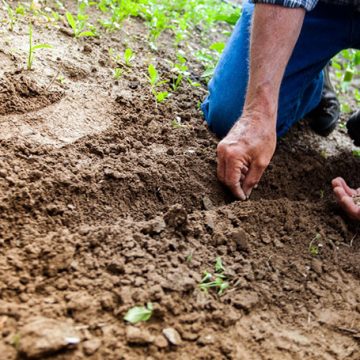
(42, 46)
(86, 33)
(356, 153)
(218, 46)
(219, 267)
(154, 76)
(161, 96)
(128, 56)
(208, 73)
(348, 75)
(139, 313)
(20, 10)
(70, 19)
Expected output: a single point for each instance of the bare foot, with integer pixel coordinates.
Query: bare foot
(348, 199)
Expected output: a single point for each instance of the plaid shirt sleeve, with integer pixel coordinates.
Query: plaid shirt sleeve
(308, 5)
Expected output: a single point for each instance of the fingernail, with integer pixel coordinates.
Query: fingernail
(248, 194)
(243, 197)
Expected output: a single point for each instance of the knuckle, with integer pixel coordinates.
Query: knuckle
(253, 182)
(262, 164)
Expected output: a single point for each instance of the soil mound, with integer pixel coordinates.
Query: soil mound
(20, 94)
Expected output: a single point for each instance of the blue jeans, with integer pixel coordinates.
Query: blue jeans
(327, 30)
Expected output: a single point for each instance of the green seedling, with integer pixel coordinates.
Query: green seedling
(176, 124)
(128, 56)
(117, 73)
(356, 153)
(314, 248)
(189, 257)
(33, 48)
(139, 313)
(324, 154)
(20, 10)
(61, 79)
(78, 24)
(155, 83)
(11, 15)
(15, 341)
(219, 267)
(218, 47)
(216, 280)
(181, 69)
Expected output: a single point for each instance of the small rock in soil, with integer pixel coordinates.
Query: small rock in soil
(43, 336)
(265, 238)
(207, 203)
(91, 346)
(207, 339)
(240, 238)
(173, 336)
(138, 336)
(160, 342)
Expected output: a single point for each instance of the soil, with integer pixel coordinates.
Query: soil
(105, 205)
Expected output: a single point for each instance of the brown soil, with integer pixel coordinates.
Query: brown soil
(105, 205)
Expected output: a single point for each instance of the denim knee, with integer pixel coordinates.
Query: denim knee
(219, 117)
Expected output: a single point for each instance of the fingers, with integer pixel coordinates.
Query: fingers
(252, 178)
(347, 202)
(340, 182)
(233, 175)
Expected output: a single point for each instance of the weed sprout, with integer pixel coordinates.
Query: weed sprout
(33, 48)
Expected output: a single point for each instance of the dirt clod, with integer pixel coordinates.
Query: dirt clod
(137, 336)
(43, 336)
(91, 346)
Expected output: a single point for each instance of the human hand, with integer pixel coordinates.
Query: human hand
(347, 198)
(244, 154)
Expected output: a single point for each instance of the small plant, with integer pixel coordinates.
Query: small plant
(15, 341)
(189, 257)
(155, 82)
(128, 57)
(139, 313)
(314, 248)
(219, 267)
(356, 153)
(78, 24)
(33, 48)
(176, 123)
(216, 280)
(61, 79)
(11, 15)
(117, 73)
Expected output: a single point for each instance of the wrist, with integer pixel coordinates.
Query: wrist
(262, 102)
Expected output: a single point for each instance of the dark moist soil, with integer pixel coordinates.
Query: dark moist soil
(105, 205)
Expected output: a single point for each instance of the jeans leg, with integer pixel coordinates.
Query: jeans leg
(227, 88)
(300, 92)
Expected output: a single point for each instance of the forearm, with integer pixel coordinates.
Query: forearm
(275, 30)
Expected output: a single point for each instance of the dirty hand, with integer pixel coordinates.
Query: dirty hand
(346, 197)
(244, 154)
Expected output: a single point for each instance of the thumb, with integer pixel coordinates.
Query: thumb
(252, 178)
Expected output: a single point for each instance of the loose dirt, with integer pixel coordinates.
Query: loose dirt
(105, 205)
